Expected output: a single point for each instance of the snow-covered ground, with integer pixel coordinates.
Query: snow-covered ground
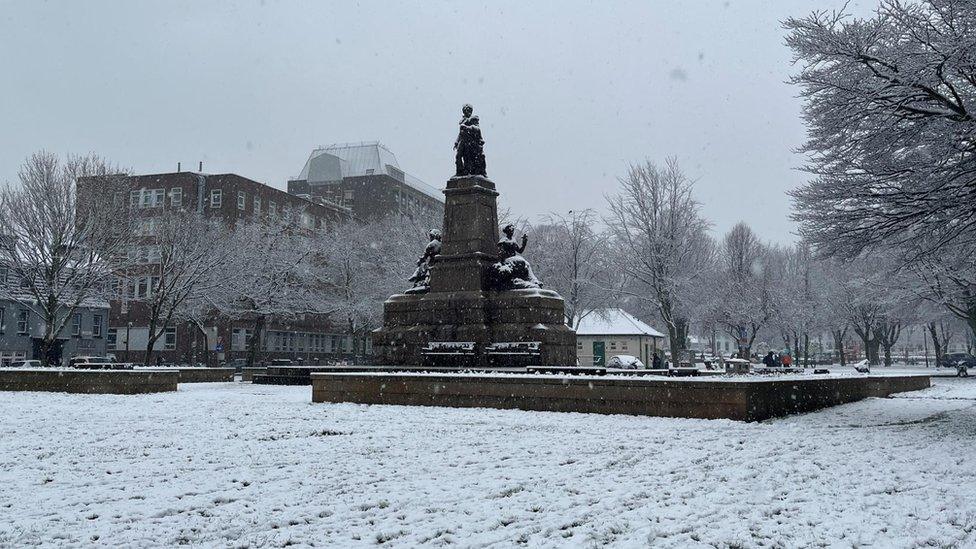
(230, 464)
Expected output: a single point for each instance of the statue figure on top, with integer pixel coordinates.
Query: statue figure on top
(421, 275)
(470, 156)
(512, 271)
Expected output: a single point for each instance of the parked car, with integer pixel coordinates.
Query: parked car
(281, 362)
(97, 363)
(625, 362)
(26, 364)
(954, 360)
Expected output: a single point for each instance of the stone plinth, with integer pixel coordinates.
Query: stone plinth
(410, 321)
(64, 380)
(198, 375)
(461, 305)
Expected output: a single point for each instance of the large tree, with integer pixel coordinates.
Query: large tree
(357, 266)
(745, 286)
(270, 276)
(892, 138)
(656, 221)
(62, 251)
(190, 252)
(888, 103)
(571, 257)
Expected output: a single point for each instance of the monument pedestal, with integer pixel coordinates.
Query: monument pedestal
(508, 328)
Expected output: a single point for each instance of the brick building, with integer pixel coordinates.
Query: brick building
(229, 198)
(366, 178)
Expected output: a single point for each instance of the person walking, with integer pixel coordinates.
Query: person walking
(769, 360)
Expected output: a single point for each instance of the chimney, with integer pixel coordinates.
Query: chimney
(201, 167)
(177, 167)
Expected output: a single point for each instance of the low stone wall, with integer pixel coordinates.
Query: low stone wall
(116, 382)
(206, 375)
(751, 400)
(247, 374)
(196, 375)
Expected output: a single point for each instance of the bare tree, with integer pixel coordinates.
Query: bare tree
(801, 289)
(950, 281)
(572, 259)
(270, 275)
(358, 265)
(190, 252)
(655, 220)
(62, 250)
(746, 289)
(890, 125)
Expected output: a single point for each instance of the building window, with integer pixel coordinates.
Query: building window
(257, 206)
(96, 325)
(169, 339)
(215, 198)
(241, 200)
(2, 326)
(147, 198)
(22, 316)
(141, 287)
(347, 198)
(76, 324)
(112, 338)
(272, 209)
(240, 339)
(176, 197)
(4, 274)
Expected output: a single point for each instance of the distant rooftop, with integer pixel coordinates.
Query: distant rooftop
(614, 322)
(339, 160)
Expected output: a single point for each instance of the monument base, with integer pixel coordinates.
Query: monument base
(507, 329)
(744, 400)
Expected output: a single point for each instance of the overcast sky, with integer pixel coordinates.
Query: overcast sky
(569, 93)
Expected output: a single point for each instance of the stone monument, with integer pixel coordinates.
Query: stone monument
(480, 305)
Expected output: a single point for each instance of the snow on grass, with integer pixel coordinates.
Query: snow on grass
(249, 465)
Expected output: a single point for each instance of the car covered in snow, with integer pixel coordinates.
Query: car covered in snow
(954, 360)
(26, 364)
(625, 362)
(97, 363)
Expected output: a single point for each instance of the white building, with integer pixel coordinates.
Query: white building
(608, 332)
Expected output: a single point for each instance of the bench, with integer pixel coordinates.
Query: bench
(513, 353)
(454, 354)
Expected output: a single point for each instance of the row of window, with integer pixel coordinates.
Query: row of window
(155, 198)
(217, 200)
(302, 342)
(23, 323)
(168, 339)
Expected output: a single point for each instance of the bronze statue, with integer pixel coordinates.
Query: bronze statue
(421, 275)
(470, 156)
(513, 272)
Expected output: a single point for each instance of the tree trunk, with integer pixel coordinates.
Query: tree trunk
(806, 350)
(150, 343)
(838, 336)
(934, 332)
(252, 349)
(874, 351)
